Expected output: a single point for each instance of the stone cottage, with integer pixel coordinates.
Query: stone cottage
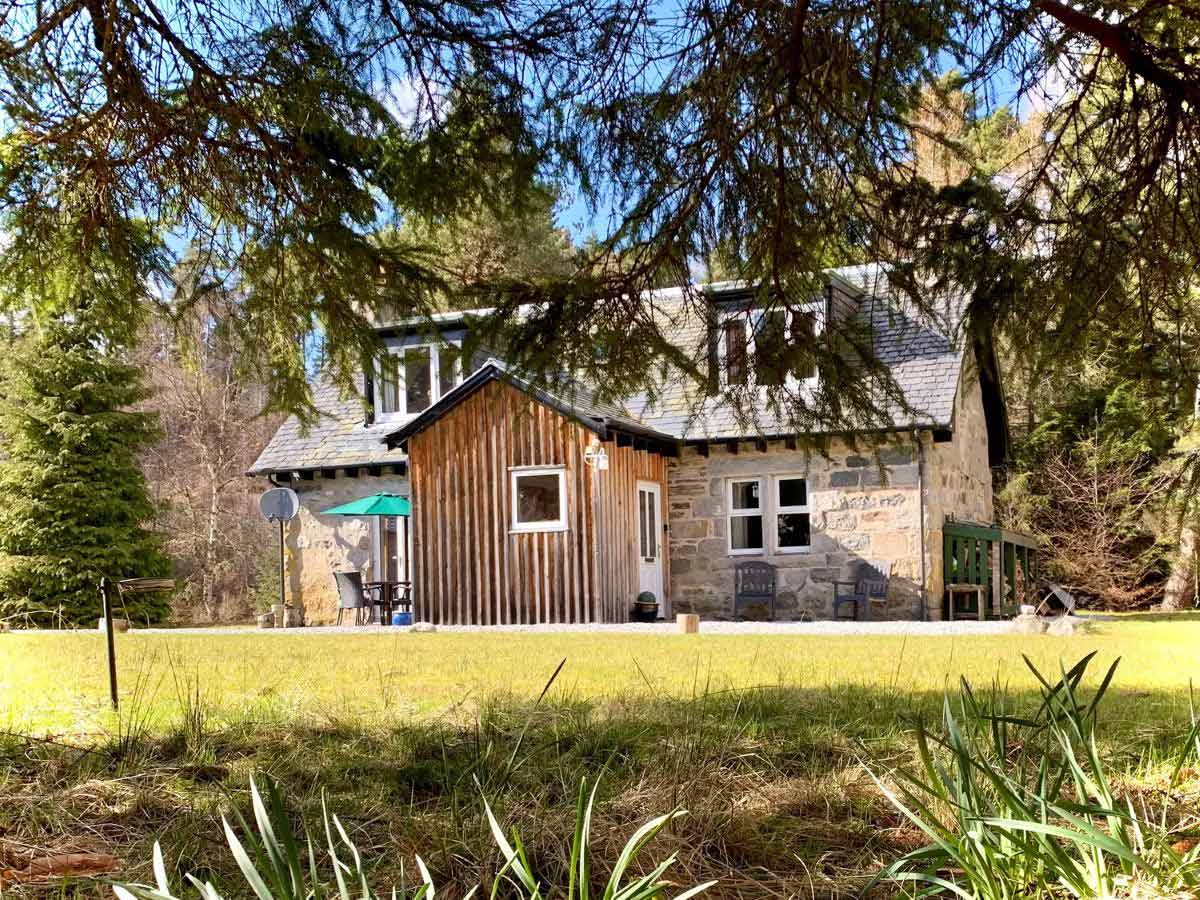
(534, 502)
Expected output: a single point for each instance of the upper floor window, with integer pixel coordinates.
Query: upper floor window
(422, 375)
(774, 346)
(736, 350)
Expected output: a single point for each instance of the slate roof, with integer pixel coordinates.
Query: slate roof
(569, 396)
(923, 357)
(338, 438)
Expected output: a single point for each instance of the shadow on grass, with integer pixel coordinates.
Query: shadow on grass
(1183, 615)
(779, 802)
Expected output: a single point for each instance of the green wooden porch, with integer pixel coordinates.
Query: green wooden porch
(1002, 561)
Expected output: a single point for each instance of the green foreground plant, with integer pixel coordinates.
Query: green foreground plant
(276, 866)
(1024, 806)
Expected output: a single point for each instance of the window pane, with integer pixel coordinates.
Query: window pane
(792, 492)
(793, 529)
(447, 369)
(745, 495)
(390, 541)
(745, 532)
(735, 351)
(642, 498)
(770, 348)
(651, 527)
(388, 396)
(417, 379)
(537, 498)
(804, 338)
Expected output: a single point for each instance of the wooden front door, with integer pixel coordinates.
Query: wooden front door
(649, 538)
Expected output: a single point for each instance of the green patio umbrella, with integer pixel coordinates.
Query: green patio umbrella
(381, 504)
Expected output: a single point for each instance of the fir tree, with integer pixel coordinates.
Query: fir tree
(76, 501)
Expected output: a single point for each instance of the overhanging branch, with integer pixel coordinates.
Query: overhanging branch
(1128, 46)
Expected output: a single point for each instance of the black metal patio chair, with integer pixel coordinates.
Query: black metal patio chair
(754, 584)
(870, 586)
(352, 596)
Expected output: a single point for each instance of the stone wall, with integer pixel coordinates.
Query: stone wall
(316, 546)
(961, 479)
(863, 504)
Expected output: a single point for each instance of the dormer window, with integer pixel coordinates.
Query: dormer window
(422, 375)
(736, 346)
(774, 345)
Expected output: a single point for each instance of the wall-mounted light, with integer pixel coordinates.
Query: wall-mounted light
(596, 456)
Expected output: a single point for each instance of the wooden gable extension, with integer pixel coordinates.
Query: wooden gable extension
(469, 568)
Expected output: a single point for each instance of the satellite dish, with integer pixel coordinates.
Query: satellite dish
(279, 504)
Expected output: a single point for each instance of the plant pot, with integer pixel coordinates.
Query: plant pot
(645, 612)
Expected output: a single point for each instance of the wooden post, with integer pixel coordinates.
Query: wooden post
(997, 578)
(108, 636)
(689, 623)
(282, 581)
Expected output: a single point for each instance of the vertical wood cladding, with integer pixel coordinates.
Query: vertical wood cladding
(470, 569)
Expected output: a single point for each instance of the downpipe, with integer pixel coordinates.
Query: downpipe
(921, 520)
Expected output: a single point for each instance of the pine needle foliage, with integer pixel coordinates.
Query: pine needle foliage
(76, 502)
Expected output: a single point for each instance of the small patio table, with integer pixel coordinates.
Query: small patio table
(387, 594)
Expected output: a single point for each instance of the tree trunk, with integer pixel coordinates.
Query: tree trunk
(207, 575)
(1180, 589)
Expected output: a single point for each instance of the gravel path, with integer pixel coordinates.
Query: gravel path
(817, 628)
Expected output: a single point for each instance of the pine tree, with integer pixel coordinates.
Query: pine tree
(75, 500)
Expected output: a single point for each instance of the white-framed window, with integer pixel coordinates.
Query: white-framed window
(770, 347)
(423, 374)
(759, 522)
(793, 532)
(745, 513)
(539, 498)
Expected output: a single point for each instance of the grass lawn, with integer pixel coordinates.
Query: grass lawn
(763, 738)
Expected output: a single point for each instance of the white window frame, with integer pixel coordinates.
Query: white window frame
(731, 513)
(435, 386)
(779, 510)
(753, 319)
(559, 524)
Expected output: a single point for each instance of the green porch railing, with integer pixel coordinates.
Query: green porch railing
(1003, 561)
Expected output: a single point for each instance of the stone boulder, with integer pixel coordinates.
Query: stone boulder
(1067, 626)
(423, 627)
(1028, 624)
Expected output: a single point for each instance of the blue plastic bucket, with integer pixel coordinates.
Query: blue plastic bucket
(402, 618)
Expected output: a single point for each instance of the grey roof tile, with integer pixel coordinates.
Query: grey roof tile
(921, 354)
(339, 437)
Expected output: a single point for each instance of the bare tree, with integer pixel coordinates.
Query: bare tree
(1097, 513)
(211, 414)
